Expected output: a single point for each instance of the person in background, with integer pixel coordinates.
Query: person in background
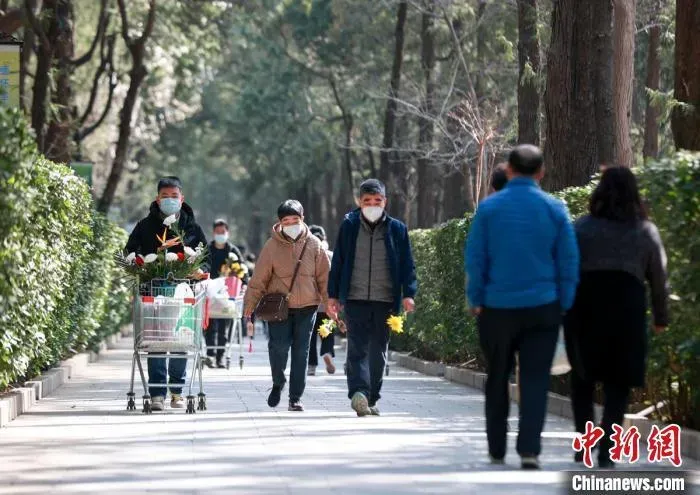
(219, 251)
(606, 329)
(521, 259)
(291, 244)
(499, 177)
(374, 276)
(143, 240)
(327, 345)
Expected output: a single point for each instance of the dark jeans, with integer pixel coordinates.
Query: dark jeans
(368, 344)
(217, 336)
(327, 344)
(616, 398)
(159, 373)
(295, 332)
(533, 333)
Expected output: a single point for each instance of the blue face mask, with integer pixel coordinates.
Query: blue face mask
(220, 238)
(169, 206)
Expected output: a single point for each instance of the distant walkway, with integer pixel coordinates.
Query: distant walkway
(430, 440)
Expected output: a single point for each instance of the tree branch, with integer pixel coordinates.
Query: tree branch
(35, 24)
(125, 23)
(150, 23)
(106, 60)
(102, 24)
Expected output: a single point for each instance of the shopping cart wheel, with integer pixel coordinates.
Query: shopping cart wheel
(190, 405)
(240, 362)
(147, 409)
(202, 402)
(386, 371)
(130, 402)
(228, 363)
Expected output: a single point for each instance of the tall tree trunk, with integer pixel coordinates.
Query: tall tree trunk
(58, 137)
(481, 33)
(529, 73)
(578, 98)
(40, 93)
(453, 203)
(26, 57)
(137, 48)
(623, 63)
(651, 118)
(685, 120)
(426, 172)
(387, 156)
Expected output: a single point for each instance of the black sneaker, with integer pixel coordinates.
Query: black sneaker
(220, 365)
(296, 406)
(275, 395)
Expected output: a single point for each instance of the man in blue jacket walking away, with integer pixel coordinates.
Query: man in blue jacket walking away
(522, 265)
(373, 276)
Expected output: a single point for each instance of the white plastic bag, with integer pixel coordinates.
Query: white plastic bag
(560, 364)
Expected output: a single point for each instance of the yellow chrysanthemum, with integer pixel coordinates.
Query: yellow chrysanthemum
(326, 328)
(395, 324)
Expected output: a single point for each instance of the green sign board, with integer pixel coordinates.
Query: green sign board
(84, 170)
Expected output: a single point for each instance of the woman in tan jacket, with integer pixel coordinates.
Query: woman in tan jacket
(273, 274)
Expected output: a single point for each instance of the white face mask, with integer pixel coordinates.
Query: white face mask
(292, 231)
(373, 213)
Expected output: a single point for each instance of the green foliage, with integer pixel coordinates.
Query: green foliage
(56, 267)
(442, 330)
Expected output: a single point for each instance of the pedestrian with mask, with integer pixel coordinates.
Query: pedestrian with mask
(144, 240)
(292, 270)
(327, 351)
(220, 252)
(373, 277)
(522, 264)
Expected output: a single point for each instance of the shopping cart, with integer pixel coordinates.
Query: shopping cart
(226, 302)
(168, 319)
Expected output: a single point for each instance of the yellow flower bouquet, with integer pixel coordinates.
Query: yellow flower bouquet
(327, 327)
(396, 323)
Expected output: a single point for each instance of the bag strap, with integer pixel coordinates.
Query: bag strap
(296, 268)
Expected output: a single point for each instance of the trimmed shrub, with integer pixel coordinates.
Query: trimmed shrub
(57, 277)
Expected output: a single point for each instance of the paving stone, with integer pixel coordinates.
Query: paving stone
(429, 439)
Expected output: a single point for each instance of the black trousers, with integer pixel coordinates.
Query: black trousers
(532, 332)
(217, 335)
(327, 344)
(614, 407)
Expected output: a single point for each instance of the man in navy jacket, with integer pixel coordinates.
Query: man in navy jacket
(522, 264)
(373, 276)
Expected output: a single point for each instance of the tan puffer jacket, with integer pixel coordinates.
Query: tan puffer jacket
(275, 267)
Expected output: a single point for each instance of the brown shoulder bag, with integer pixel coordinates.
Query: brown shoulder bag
(274, 307)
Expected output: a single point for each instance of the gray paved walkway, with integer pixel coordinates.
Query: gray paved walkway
(429, 440)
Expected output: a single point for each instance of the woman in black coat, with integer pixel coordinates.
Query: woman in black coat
(607, 329)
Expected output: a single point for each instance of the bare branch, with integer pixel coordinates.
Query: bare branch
(150, 23)
(102, 24)
(35, 24)
(106, 56)
(125, 22)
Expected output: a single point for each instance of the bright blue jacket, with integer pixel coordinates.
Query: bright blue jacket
(521, 251)
(398, 250)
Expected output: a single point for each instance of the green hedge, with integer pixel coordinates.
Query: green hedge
(442, 330)
(59, 291)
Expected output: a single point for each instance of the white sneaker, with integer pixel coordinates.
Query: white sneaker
(311, 371)
(360, 404)
(157, 403)
(176, 401)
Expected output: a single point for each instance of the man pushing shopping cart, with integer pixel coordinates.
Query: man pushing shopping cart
(168, 309)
